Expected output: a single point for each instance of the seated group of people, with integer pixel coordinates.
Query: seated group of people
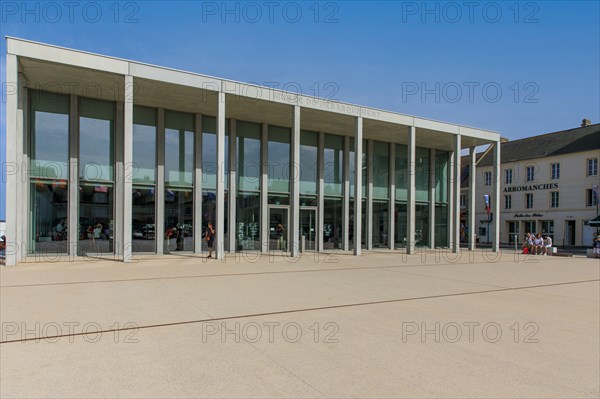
(536, 244)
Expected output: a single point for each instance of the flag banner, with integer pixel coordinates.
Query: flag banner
(596, 194)
(486, 198)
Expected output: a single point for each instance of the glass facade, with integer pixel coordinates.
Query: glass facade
(308, 162)
(96, 174)
(248, 196)
(49, 173)
(143, 214)
(49, 140)
(179, 166)
(279, 159)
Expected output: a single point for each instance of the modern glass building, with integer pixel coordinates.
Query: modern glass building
(112, 157)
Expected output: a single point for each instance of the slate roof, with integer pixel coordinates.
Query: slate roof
(547, 145)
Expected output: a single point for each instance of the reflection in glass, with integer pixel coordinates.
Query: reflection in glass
(248, 156)
(143, 219)
(96, 223)
(422, 174)
(144, 145)
(308, 229)
(49, 221)
(363, 224)
(333, 164)
(401, 173)
(278, 229)
(179, 148)
(96, 139)
(441, 225)
(209, 152)
(49, 118)
(421, 224)
(381, 172)
(332, 223)
(279, 159)
(401, 227)
(248, 222)
(179, 220)
(380, 223)
(308, 162)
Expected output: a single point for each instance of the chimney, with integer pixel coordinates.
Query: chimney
(586, 122)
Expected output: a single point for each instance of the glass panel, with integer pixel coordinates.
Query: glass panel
(279, 159)
(49, 221)
(422, 174)
(363, 224)
(308, 200)
(248, 222)
(209, 214)
(179, 148)
(96, 221)
(380, 224)
(353, 169)
(278, 200)
(49, 118)
(143, 223)
(333, 164)
(144, 145)
(308, 229)
(381, 171)
(96, 139)
(441, 225)
(401, 219)
(332, 223)
(441, 177)
(179, 208)
(278, 229)
(421, 225)
(308, 162)
(248, 156)
(209, 152)
(401, 172)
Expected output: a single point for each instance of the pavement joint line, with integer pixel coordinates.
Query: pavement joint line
(288, 370)
(237, 274)
(282, 312)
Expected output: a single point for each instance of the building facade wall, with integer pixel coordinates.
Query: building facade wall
(568, 218)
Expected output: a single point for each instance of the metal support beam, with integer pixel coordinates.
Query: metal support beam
(369, 218)
(73, 203)
(12, 166)
(411, 206)
(496, 237)
(220, 223)
(392, 204)
(320, 188)
(432, 198)
(127, 168)
(295, 180)
(472, 180)
(197, 229)
(358, 133)
(346, 197)
(231, 220)
(160, 182)
(264, 188)
(456, 210)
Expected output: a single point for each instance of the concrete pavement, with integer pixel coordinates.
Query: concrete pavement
(379, 325)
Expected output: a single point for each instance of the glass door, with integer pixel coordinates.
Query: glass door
(278, 228)
(308, 228)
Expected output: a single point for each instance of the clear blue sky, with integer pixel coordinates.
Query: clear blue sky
(539, 62)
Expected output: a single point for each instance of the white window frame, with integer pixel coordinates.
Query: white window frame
(554, 195)
(487, 176)
(508, 201)
(527, 196)
(530, 176)
(508, 176)
(555, 171)
(591, 167)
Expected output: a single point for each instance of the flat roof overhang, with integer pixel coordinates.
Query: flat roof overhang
(56, 69)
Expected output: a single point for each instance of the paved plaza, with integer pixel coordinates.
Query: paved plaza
(379, 325)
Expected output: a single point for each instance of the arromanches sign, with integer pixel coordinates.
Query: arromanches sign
(531, 187)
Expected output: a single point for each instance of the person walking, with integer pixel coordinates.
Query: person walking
(280, 233)
(209, 236)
